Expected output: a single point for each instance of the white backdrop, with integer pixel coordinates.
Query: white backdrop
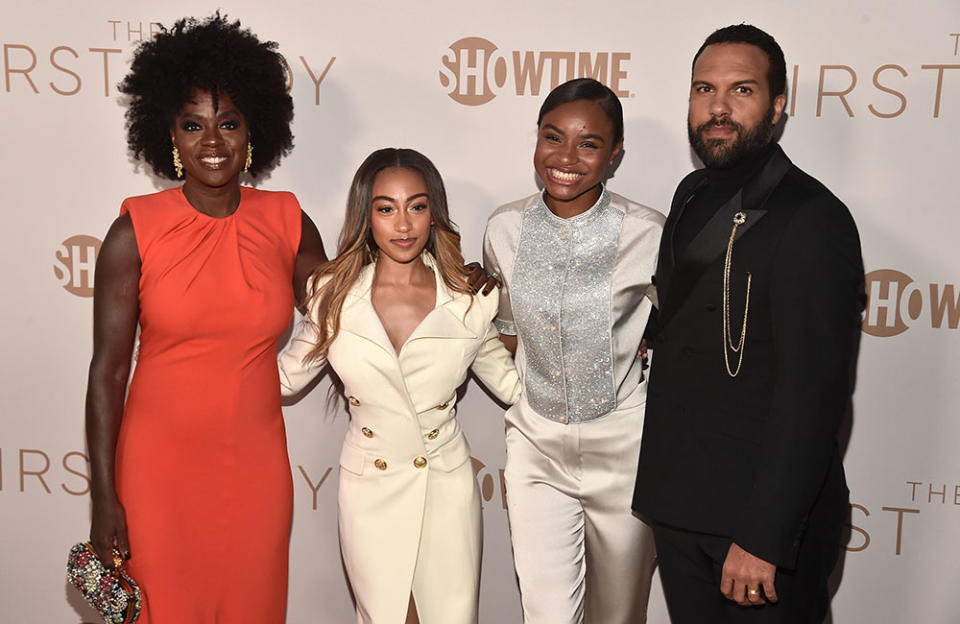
(874, 113)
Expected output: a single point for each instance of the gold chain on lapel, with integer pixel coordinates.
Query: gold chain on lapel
(738, 219)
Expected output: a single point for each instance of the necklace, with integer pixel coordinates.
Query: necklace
(728, 344)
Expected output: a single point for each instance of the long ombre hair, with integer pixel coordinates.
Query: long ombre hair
(356, 247)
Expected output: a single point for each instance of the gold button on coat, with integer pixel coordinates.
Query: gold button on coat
(380, 464)
(420, 461)
(367, 432)
(443, 405)
(353, 400)
(433, 434)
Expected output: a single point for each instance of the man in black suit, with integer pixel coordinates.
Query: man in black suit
(759, 281)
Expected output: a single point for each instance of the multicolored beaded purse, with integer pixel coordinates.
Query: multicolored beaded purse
(111, 592)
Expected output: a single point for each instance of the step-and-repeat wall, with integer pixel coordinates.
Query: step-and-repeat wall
(874, 113)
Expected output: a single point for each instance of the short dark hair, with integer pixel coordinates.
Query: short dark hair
(218, 56)
(745, 33)
(587, 89)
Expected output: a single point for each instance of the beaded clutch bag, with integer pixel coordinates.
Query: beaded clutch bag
(111, 592)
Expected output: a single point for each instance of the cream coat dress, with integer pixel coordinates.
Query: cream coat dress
(409, 506)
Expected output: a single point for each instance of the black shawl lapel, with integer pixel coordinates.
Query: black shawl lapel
(710, 243)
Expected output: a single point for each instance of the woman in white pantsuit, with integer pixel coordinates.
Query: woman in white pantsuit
(394, 317)
(575, 262)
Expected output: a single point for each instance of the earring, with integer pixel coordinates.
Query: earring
(177, 165)
(249, 161)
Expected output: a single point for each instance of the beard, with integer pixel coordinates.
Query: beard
(721, 154)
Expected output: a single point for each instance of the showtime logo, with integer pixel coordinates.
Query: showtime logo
(490, 480)
(75, 261)
(894, 300)
(475, 71)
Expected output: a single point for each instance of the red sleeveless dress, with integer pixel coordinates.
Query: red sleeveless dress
(202, 467)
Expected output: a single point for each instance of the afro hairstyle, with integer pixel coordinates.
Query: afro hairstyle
(218, 56)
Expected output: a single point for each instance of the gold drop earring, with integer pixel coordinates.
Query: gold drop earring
(249, 161)
(177, 165)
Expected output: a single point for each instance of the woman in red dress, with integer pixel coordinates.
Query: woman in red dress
(190, 476)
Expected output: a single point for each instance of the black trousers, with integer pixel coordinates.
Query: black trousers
(690, 569)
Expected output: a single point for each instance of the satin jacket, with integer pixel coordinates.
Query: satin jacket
(402, 426)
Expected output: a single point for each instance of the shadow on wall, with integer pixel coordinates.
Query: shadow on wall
(646, 135)
(324, 165)
(470, 206)
(843, 440)
(325, 139)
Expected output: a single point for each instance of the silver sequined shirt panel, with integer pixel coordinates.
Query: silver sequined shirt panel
(561, 305)
(593, 286)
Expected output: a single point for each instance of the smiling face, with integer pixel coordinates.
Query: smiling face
(212, 141)
(400, 214)
(731, 114)
(575, 146)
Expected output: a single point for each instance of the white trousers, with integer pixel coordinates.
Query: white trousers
(580, 553)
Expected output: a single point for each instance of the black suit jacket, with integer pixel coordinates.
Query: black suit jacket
(754, 457)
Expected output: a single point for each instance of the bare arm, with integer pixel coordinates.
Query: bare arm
(309, 255)
(116, 311)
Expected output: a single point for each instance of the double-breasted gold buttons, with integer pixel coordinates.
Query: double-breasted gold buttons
(354, 401)
(367, 432)
(433, 434)
(443, 405)
(420, 461)
(380, 464)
